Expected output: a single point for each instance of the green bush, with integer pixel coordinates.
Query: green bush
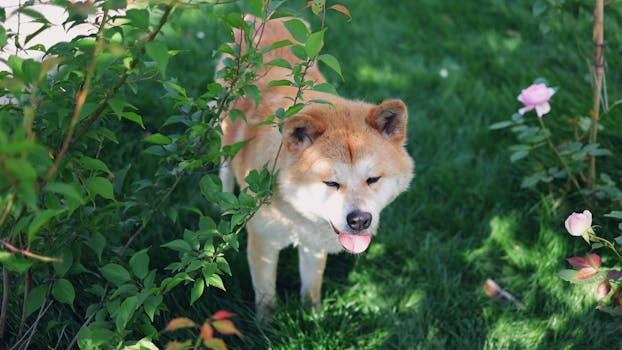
(102, 155)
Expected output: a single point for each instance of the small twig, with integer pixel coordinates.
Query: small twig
(80, 100)
(97, 114)
(90, 318)
(152, 213)
(33, 327)
(573, 178)
(28, 253)
(27, 283)
(5, 301)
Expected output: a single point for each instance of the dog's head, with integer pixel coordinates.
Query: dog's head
(343, 163)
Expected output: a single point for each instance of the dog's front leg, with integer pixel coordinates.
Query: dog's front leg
(262, 261)
(311, 265)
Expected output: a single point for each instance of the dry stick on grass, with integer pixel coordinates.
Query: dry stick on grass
(598, 66)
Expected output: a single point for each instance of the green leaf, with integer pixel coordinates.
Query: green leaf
(17, 263)
(254, 93)
(117, 104)
(115, 4)
(518, 155)
(35, 299)
(158, 139)
(216, 281)
(126, 311)
(40, 219)
(100, 186)
(136, 118)
(139, 263)
(197, 290)
(501, 125)
(616, 214)
(31, 70)
(101, 336)
(115, 274)
(314, 43)
(331, 62)
(325, 87)
(298, 29)
(282, 82)
(158, 51)
(138, 18)
(567, 275)
(62, 267)
(280, 62)
(94, 164)
(210, 187)
(178, 245)
(254, 7)
(63, 291)
(151, 305)
(97, 242)
(223, 265)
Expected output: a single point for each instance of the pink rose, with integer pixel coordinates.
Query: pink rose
(580, 224)
(536, 97)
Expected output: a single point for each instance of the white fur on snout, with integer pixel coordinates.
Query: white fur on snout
(318, 202)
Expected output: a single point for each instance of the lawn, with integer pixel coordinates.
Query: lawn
(459, 67)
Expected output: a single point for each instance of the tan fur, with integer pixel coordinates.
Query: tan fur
(346, 142)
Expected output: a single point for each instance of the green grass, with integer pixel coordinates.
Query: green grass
(465, 217)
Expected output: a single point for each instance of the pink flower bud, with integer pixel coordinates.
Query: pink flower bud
(536, 97)
(580, 224)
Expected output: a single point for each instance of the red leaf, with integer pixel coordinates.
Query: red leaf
(175, 345)
(614, 275)
(603, 290)
(226, 327)
(593, 260)
(343, 10)
(586, 273)
(615, 297)
(577, 261)
(207, 332)
(215, 344)
(221, 315)
(180, 322)
(590, 260)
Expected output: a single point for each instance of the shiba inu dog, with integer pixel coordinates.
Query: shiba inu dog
(339, 165)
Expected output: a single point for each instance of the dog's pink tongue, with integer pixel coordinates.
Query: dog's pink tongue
(354, 243)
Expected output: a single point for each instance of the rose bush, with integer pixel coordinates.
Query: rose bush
(590, 268)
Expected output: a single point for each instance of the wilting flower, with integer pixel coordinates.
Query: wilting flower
(580, 224)
(536, 97)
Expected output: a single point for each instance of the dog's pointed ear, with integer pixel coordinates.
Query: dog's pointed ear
(300, 131)
(390, 118)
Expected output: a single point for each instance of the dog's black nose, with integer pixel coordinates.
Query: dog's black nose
(359, 220)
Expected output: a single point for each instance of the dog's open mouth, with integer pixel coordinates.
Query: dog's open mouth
(353, 243)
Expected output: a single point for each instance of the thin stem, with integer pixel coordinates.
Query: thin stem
(152, 213)
(573, 179)
(28, 253)
(607, 243)
(90, 318)
(80, 100)
(97, 114)
(5, 301)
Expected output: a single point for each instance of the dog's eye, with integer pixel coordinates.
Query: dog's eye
(332, 184)
(373, 180)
